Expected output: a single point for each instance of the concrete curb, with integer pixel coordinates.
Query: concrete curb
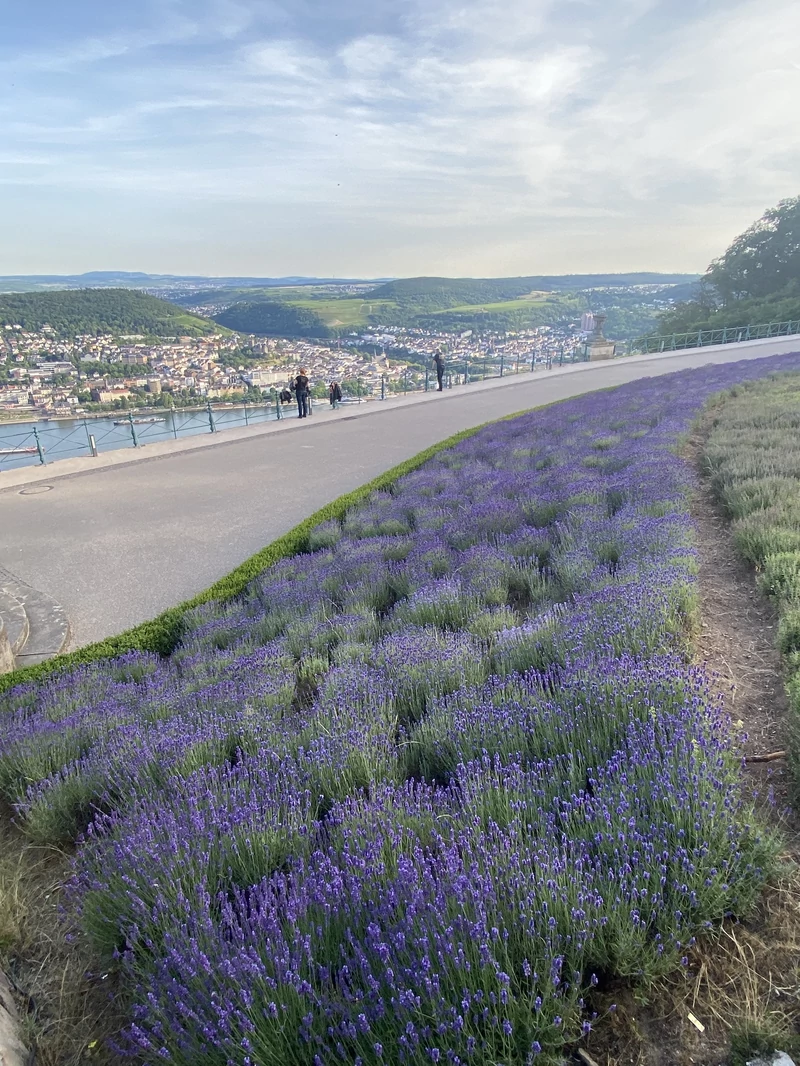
(12, 1051)
(6, 666)
(40, 625)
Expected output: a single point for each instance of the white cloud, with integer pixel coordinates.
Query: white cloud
(571, 120)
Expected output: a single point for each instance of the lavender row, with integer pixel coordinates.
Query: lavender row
(412, 793)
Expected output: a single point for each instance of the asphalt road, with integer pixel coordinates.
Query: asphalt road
(118, 545)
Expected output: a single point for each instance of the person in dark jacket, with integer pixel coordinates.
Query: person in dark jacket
(285, 396)
(335, 393)
(438, 363)
(301, 392)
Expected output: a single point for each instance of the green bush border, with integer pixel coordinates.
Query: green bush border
(162, 633)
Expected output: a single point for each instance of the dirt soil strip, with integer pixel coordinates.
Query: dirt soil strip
(736, 644)
(751, 967)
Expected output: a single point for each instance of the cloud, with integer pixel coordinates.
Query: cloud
(555, 117)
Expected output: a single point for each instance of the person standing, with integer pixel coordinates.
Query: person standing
(335, 394)
(301, 392)
(438, 363)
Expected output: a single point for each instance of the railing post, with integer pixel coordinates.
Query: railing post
(39, 447)
(427, 378)
(245, 414)
(700, 339)
(383, 384)
(309, 406)
(466, 372)
(174, 423)
(88, 434)
(211, 425)
(502, 363)
(533, 361)
(133, 429)
(92, 445)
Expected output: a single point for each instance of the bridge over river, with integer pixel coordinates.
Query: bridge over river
(118, 538)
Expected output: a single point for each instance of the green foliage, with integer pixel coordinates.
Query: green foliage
(273, 318)
(756, 280)
(96, 311)
(752, 459)
(764, 259)
(782, 306)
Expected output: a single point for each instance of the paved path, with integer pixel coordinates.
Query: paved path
(118, 544)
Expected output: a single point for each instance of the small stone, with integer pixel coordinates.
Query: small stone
(778, 1058)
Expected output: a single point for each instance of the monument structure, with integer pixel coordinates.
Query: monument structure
(597, 347)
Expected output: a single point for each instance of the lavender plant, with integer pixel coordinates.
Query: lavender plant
(412, 795)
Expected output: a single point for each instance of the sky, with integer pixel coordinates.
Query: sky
(369, 138)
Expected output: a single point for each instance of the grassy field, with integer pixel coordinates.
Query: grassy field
(752, 458)
(521, 304)
(345, 312)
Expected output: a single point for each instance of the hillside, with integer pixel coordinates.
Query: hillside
(271, 318)
(160, 283)
(448, 304)
(450, 292)
(117, 311)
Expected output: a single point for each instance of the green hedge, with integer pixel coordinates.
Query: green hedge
(163, 633)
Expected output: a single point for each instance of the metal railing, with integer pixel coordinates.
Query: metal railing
(702, 338)
(26, 443)
(63, 438)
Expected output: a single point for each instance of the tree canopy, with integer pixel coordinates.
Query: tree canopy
(271, 318)
(96, 311)
(756, 280)
(762, 260)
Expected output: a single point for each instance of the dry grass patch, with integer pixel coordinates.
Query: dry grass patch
(742, 984)
(66, 1006)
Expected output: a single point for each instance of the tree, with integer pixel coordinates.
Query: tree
(354, 387)
(762, 260)
(756, 280)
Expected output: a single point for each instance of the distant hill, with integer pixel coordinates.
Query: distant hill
(272, 318)
(130, 279)
(446, 304)
(452, 292)
(117, 311)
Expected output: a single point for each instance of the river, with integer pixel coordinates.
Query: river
(64, 438)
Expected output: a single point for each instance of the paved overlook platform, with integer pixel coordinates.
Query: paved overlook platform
(118, 538)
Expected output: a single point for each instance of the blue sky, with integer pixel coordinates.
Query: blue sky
(369, 138)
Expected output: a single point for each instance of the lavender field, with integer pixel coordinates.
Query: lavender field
(421, 789)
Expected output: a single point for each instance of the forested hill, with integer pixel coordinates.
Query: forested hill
(451, 292)
(273, 319)
(116, 311)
